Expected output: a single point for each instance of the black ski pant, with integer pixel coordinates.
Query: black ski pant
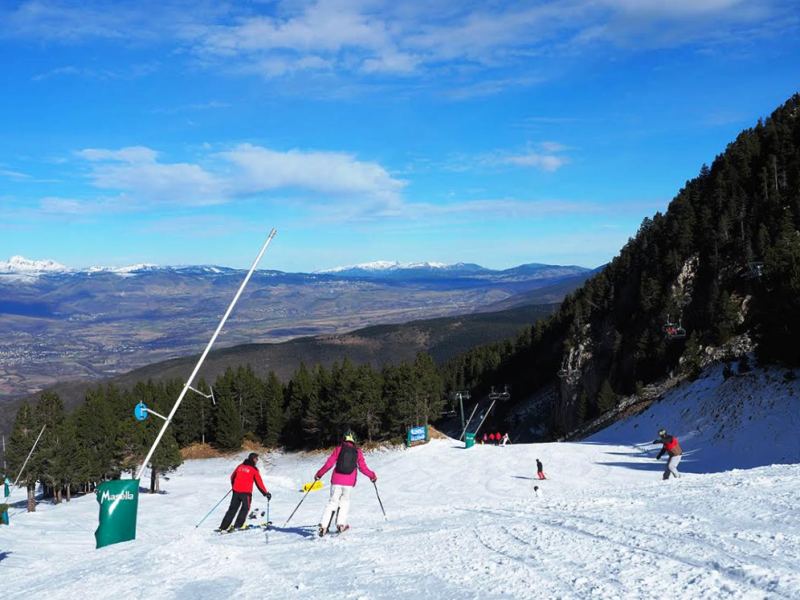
(241, 502)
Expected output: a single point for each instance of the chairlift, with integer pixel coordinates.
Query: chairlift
(674, 331)
(754, 270)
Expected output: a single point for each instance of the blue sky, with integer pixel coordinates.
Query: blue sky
(500, 133)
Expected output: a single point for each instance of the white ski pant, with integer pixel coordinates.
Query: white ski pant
(340, 500)
(672, 467)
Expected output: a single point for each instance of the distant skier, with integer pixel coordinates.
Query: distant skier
(242, 480)
(497, 438)
(670, 445)
(485, 438)
(540, 469)
(505, 439)
(348, 459)
(537, 491)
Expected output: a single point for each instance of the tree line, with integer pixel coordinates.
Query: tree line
(723, 260)
(102, 440)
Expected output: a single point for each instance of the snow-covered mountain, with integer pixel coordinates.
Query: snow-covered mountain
(19, 265)
(386, 265)
(468, 523)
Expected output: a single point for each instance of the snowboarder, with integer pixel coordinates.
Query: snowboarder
(348, 460)
(242, 480)
(540, 469)
(505, 439)
(670, 445)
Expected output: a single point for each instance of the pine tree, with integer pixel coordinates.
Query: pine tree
(272, 421)
(229, 434)
(23, 435)
(606, 398)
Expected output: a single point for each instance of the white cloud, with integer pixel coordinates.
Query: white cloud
(380, 38)
(136, 170)
(261, 168)
(139, 174)
(545, 162)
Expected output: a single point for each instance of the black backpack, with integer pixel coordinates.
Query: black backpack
(348, 457)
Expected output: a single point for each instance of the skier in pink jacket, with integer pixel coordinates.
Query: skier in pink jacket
(348, 459)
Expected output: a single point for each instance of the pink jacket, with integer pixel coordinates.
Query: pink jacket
(342, 478)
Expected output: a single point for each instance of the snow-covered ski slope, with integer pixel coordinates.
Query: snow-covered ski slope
(745, 421)
(462, 524)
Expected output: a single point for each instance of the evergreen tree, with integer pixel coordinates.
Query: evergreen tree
(606, 399)
(23, 435)
(229, 434)
(272, 420)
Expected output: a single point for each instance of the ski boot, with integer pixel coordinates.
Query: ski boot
(321, 531)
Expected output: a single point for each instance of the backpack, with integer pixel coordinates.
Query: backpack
(348, 456)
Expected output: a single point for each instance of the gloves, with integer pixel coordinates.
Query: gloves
(374, 479)
(316, 477)
(268, 496)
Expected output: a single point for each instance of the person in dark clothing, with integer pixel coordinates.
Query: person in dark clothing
(242, 480)
(540, 469)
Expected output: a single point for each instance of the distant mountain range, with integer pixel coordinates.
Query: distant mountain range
(58, 323)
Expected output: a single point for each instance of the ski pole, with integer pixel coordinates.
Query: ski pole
(213, 509)
(375, 485)
(311, 487)
(266, 529)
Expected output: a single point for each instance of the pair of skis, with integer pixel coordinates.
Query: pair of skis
(249, 527)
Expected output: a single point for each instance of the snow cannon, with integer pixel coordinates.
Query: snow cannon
(141, 412)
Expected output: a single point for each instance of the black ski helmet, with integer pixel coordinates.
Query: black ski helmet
(662, 432)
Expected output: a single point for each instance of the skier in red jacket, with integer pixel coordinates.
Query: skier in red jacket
(242, 480)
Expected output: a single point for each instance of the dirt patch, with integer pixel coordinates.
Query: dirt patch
(435, 434)
(200, 451)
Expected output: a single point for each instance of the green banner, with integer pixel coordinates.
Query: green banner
(119, 500)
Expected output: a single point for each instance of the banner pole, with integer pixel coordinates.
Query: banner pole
(205, 353)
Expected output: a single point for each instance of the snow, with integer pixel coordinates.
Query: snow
(467, 523)
(462, 524)
(745, 421)
(386, 265)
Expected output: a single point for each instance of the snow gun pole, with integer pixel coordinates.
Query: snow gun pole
(468, 421)
(311, 487)
(208, 514)
(29, 455)
(189, 381)
(486, 416)
(385, 518)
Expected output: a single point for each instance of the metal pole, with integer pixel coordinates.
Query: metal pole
(491, 406)
(205, 353)
(311, 487)
(29, 455)
(385, 518)
(461, 404)
(213, 509)
(470, 421)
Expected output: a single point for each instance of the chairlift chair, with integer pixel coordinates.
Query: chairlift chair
(674, 331)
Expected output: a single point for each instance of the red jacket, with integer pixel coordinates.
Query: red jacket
(244, 476)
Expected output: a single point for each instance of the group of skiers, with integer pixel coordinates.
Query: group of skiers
(495, 438)
(346, 460)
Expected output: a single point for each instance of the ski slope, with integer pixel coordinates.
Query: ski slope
(462, 524)
(466, 523)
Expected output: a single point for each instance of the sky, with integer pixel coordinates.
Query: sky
(499, 133)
